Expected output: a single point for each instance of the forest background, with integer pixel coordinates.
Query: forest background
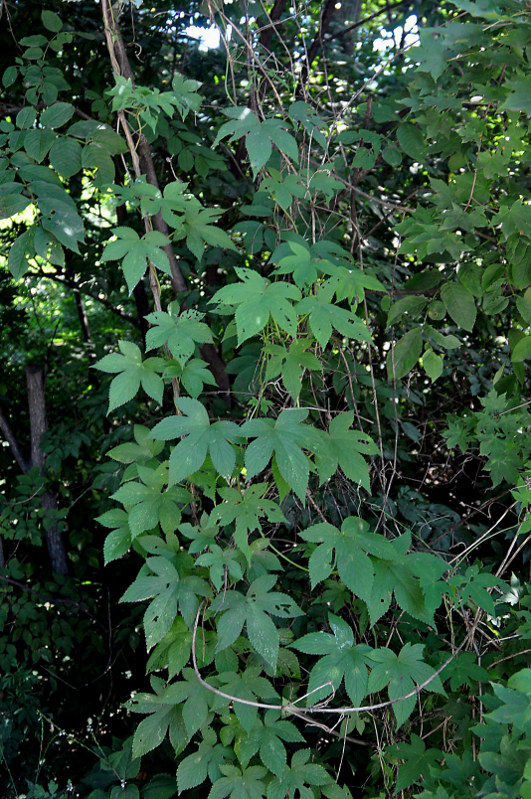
(265, 460)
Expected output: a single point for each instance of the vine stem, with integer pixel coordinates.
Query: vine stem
(305, 713)
(112, 34)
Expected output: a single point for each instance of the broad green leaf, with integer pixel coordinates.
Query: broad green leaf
(65, 156)
(323, 316)
(51, 21)
(459, 303)
(400, 673)
(522, 350)
(20, 251)
(12, 202)
(57, 115)
(181, 331)
(284, 438)
(411, 141)
(200, 438)
(404, 354)
(432, 365)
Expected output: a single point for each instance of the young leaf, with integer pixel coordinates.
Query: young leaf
(133, 372)
(181, 331)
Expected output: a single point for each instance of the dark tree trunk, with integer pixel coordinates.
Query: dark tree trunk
(38, 426)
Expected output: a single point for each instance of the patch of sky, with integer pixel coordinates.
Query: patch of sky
(405, 36)
(208, 38)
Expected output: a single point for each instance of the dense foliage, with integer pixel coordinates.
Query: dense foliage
(264, 410)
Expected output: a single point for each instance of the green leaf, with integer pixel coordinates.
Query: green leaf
(51, 21)
(404, 354)
(401, 673)
(432, 365)
(284, 438)
(133, 372)
(290, 363)
(324, 315)
(181, 331)
(417, 761)
(65, 156)
(411, 141)
(256, 300)
(57, 115)
(21, 250)
(200, 438)
(9, 76)
(37, 143)
(522, 350)
(459, 303)
(12, 202)
(344, 447)
(351, 546)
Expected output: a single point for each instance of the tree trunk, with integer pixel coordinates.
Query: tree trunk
(38, 426)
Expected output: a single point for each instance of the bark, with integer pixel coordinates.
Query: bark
(326, 18)
(12, 441)
(84, 323)
(38, 426)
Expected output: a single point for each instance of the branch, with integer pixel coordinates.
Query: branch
(12, 441)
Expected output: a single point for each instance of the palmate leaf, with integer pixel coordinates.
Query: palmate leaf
(284, 438)
(240, 783)
(324, 317)
(149, 504)
(133, 373)
(267, 739)
(179, 708)
(255, 612)
(204, 762)
(296, 778)
(291, 363)
(136, 252)
(350, 546)
(256, 300)
(200, 439)
(165, 716)
(245, 685)
(168, 591)
(246, 509)
(343, 448)
(343, 660)
(201, 231)
(400, 673)
(181, 331)
(417, 761)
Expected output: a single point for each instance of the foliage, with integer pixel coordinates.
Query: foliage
(304, 540)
